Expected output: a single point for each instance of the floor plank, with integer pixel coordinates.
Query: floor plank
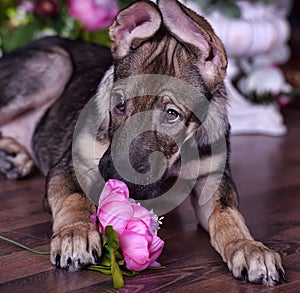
(269, 184)
(267, 173)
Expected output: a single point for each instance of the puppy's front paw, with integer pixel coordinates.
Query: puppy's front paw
(75, 246)
(252, 261)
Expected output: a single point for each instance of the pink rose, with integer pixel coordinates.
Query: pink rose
(135, 225)
(47, 7)
(27, 6)
(94, 14)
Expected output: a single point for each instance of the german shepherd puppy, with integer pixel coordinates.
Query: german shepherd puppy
(45, 86)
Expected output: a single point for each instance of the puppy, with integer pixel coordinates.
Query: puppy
(156, 121)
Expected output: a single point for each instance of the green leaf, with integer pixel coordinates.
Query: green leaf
(112, 238)
(108, 271)
(103, 239)
(119, 256)
(19, 36)
(157, 268)
(105, 260)
(106, 252)
(100, 37)
(128, 273)
(116, 272)
(103, 270)
(125, 3)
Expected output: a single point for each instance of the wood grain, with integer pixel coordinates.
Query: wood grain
(267, 173)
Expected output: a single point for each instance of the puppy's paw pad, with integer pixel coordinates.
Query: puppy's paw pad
(253, 262)
(15, 162)
(75, 246)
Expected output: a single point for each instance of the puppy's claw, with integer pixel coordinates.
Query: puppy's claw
(282, 276)
(244, 274)
(251, 261)
(95, 255)
(57, 261)
(69, 263)
(79, 264)
(77, 246)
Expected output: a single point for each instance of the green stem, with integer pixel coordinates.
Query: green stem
(23, 246)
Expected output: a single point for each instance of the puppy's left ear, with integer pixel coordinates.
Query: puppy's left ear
(133, 25)
(193, 29)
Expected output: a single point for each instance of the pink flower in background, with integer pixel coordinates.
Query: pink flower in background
(94, 14)
(27, 6)
(135, 225)
(47, 7)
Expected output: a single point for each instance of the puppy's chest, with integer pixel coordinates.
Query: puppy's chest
(22, 128)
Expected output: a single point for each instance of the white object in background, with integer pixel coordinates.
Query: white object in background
(258, 34)
(248, 118)
(264, 80)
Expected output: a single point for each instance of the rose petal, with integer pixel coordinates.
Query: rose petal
(141, 213)
(118, 187)
(135, 250)
(139, 227)
(155, 264)
(94, 16)
(156, 248)
(113, 214)
(114, 190)
(116, 208)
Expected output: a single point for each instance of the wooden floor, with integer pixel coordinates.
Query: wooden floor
(267, 173)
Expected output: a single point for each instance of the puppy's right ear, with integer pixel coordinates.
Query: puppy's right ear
(132, 26)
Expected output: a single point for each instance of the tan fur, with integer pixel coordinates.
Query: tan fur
(226, 226)
(73, 233)
(232, 239)
(212, 59)
(62, 201)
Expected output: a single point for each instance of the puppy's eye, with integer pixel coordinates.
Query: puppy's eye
(119, 102)
(171, 116)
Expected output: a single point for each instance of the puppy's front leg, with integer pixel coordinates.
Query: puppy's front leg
(75, 241)
(246, 258)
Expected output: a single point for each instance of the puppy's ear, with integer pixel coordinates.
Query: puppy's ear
(193, 29)
(132, 26)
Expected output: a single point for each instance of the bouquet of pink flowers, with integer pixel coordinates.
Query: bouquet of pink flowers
(94, 15)
(22, 21)
(129, 234)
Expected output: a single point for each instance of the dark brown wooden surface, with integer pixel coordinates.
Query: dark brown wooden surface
(267, 173)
